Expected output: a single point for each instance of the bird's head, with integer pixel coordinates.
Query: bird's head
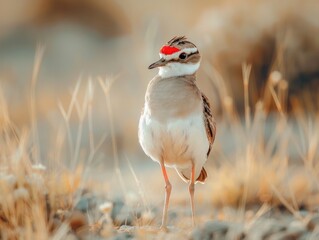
(178, 57)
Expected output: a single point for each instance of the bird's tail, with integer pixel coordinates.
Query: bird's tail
(185, 175)
(202, 176)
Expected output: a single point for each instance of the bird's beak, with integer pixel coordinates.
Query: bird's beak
(159, 63)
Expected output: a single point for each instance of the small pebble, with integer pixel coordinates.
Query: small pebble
(77, 220)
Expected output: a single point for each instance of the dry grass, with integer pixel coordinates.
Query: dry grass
(38, 203)
(274, 160)
(31, 194)
(260, 170)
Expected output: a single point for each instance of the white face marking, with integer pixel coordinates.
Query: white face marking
(174, 69)
(175, 55)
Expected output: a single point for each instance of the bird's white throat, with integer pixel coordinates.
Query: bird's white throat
(174, 69)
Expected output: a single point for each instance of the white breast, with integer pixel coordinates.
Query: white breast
(177, 141)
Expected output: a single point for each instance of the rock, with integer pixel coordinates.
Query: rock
(297, 225)
(173, 215)
(89, 201)
(313, 222)
(263, 228)
(211, 230)
(123, 236)
(235, 231)
(304, 213)
(307, 236)
(196, 234)
(71, 236)
(216, 226)
(289, 234)
(295, 230)
(83, 204)
(117, 207)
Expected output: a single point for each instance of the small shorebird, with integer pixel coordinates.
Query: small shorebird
(176, 128)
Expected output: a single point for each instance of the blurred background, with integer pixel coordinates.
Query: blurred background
(73, 75)
(114, 39)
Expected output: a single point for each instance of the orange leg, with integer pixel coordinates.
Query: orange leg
(191, 189)
(168, 189)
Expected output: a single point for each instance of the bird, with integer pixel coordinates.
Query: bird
(176, 127)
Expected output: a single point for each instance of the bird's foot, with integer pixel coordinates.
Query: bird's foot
(163, 228)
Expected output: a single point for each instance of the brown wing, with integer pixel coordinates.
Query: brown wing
(209, 122)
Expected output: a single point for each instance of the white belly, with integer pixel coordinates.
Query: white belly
(177, 142)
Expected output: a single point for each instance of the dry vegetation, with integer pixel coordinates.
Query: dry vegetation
(274, 160)
(35, 200)
(267, 148)
(38, 202)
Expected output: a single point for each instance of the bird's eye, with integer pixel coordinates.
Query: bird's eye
(183, 55)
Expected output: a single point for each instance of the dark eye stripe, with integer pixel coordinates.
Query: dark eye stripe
(192, 53)
(177, 59)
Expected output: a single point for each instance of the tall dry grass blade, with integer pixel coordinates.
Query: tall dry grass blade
(301, 142)
(307, 146)
(292, 196)
(68, 130)
(217, 79)
(81, 112)
(138, 184)
(288, 206)
(106, 86)
(35, 73)
(90, 90)
(91, 156)
(283, 94)
(222, 89)
(246, 69)
(276, 99)
(80, 109)
(58, 145)
(261, 211)
(273, 79)
(313, 142)
(74, 95)
(4, 113)
(247, 177)
(96, 148)
(61, 233)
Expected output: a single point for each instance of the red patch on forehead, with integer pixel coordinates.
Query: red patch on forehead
(168, 50)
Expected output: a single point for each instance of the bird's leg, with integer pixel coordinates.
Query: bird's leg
(168, 189)
(191, 189)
